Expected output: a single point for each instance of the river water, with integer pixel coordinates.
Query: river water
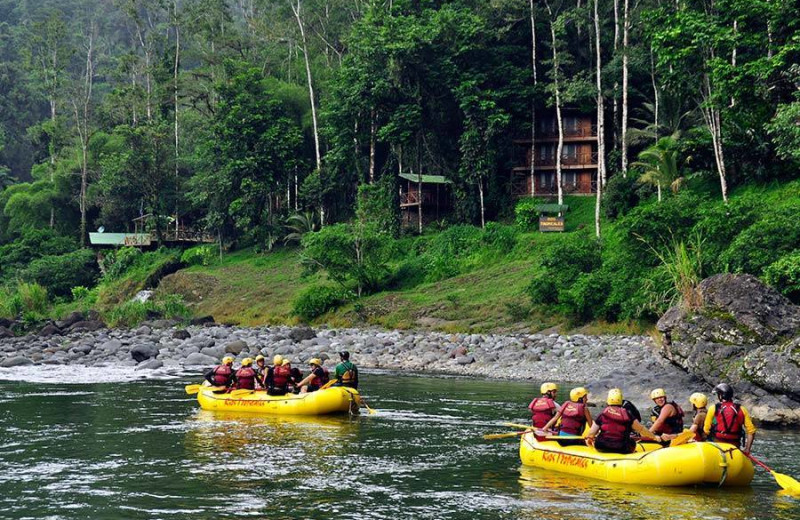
(141, 449)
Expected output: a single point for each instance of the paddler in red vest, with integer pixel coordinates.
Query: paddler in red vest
(612, 429)
(574, 414)
(316, 379)
(246, 376)
(544, 408)
(277, 380)
(728, 421)
(667, 416)
(222, 374)
(699, 402)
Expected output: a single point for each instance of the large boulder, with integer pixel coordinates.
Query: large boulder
(16, 361)
(299, 334)
(140, 353)
(198, 359)
(5, 332)
(235, 347)
(71, 319)
(744, 333)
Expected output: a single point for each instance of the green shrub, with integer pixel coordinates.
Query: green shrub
(317, 300)
(31, 299)
(719, 225)
(525, 215)
(561, 264)
(784, 275)
(115, 263)
(8, 304)
(59, 274)
(33, 244)
(585, 299)
(80, 292)
(200, 255)
(776, 234)
(621, 194)
(132, 312)
(445, 253)
(499, 237)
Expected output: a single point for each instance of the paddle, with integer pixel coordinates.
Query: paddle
(361, 399)
(682, 438)
(328, 384)
(784, 481)
(193, 389)
(515, 425)
(240, 392)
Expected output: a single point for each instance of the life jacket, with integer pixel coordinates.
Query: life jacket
(673, 424)
(320, 381)
(280, 376)
(349, 377)
(616, 426)
(222, 375)
(542, 409)
(246, 378)
(728, 424)
(573, 418)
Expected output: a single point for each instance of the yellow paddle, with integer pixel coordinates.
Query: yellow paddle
(328, 384)
(784, 481)
(241, 392)
(362, 401)
(492, 436)
(193, 389)
(682, 438)
(515, 425)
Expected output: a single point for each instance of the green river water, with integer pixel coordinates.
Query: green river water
(142, 449)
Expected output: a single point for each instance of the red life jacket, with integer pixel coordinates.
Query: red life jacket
(673, 424)
(542, 409)
(616, 426)
(246, 378)
(320, 381)
(222, 375)
(728, 425)
(280, 376)
(573, 418)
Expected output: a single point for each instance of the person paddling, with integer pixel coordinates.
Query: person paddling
(316, 379)
(729, 422)
(346, 373)
(667, 416)
(574, 414)
(246, 375)
(277, 380)
(222, 374)
(699, 402)
(544, 408)
(612, 429)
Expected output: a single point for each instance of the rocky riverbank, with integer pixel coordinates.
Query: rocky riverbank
(599, 362)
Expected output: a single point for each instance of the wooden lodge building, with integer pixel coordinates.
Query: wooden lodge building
(578, 156)
(429, 193)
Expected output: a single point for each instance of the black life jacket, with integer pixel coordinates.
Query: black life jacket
(673, 424)
(616, 426)
(246, 378)
(221, 376)
(542, 409)
(319, 381)
(573, 418)
(728, 424)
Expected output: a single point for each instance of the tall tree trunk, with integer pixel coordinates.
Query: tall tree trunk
(655, 94)
(601, 132)
(533, 100)
(560, 148)
(733, 53)
(81, 104)
(625, 52)
(296, 10)
(483, 207)
(615, 127)
(713, 120)
(175, 93)
(373, 130)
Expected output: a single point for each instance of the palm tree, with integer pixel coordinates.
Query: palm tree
(299, 224)
(659, 164)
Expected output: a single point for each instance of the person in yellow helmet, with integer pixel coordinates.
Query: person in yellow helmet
(222, 374)
(246, 375)
(544, 408)
(316, 379)
(611, 431)
(277, 379)
(699, 402)
(261, 370)
(574, 414)
(295, 375)
(667, 416)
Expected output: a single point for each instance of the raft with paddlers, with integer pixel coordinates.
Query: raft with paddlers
(335, 399)
(651, 464)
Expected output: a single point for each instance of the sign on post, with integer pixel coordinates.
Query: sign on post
(551, 223)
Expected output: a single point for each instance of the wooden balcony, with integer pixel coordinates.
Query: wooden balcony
(581, 160)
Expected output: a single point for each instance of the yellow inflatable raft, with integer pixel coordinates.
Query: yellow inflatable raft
(335, 399)
(685, 465)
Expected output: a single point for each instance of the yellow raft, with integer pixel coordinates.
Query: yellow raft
(335, 399)
(689, 464)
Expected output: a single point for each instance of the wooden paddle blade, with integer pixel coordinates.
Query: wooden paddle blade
(192, 389)
(492, 436)
(682, 438)
(786, 482)
(516, 425)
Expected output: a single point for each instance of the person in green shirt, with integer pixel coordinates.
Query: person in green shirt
(346, 373)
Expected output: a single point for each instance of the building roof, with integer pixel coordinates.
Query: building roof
(119, 239)
(552, 208)
(427, 179)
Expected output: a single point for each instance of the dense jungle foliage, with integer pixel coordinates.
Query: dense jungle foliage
(273, 124)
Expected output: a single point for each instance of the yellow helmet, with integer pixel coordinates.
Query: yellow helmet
(698, 399)
(286, 361)
(277, 360)
(246, 362)
(548, 387)
(315, 361)
(227, 360)
(260, 358)
(658, 392)
(614, 397)
(576, 394)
